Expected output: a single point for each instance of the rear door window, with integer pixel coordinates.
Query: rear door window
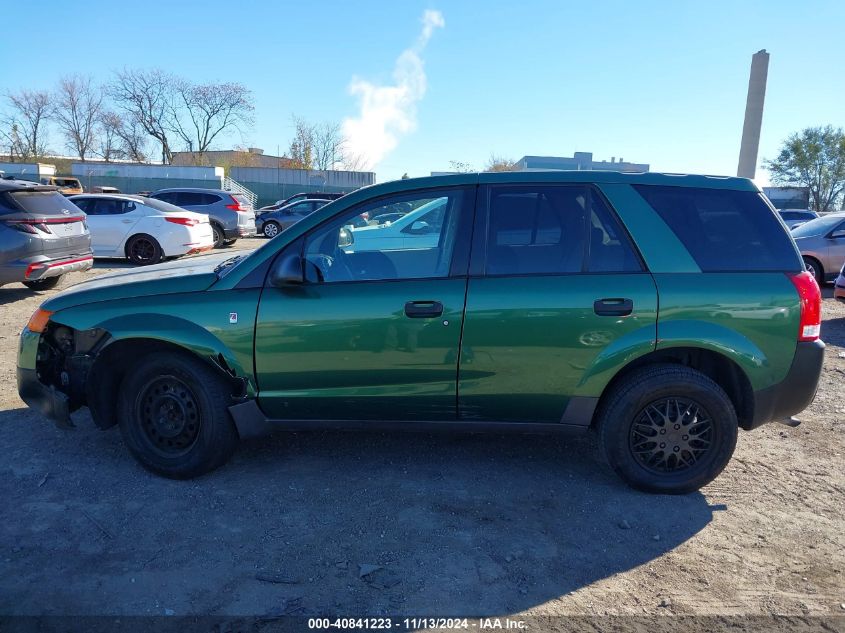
(547, 229)
(724, 230)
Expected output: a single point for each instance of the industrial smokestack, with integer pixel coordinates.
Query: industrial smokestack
(750, 145)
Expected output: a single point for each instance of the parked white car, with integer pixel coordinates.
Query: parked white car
(144, 230)
(419, 228)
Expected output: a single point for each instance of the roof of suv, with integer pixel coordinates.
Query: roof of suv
(195, 190)
(7, 184)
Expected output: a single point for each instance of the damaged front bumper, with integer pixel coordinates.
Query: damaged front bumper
(48, 401)
(45, 399)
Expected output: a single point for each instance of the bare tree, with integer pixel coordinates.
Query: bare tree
(25, 123)
(146, 97)
(76, 110)
(200, 113)
(500, 163)
(301, 150)
(354, 162)
(121, 137)
(329, 146)
(460, 167)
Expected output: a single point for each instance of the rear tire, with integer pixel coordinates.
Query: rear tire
(667, 429)
(174, 418)
(217, 235)
(814, 267)
(144, 250)
(43, 284)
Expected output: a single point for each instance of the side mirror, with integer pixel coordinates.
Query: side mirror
(838, 234)
(288, 271)
(419, 227)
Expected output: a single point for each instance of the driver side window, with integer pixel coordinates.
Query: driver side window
(418, 244)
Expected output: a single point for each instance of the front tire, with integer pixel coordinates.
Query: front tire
(667, 429)
(271, 229)
(144, 250)
(174, 418)
(43, 284)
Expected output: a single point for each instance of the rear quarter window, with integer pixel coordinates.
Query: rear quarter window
(724, 230)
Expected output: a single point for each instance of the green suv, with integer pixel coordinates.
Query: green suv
(664, 312)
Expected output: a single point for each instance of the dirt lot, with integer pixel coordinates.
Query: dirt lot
(371, 523)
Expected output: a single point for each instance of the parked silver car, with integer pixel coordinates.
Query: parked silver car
(822, 245)
(231, 214)
(43, 235)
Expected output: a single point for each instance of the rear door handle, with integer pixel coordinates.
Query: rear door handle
(423, 309)
(613, 307)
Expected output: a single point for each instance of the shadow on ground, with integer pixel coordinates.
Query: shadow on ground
(319, 523)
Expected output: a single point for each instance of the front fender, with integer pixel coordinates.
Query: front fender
(207, 331)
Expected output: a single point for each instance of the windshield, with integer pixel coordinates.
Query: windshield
(819, 226)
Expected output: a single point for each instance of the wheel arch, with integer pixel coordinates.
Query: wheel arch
(122, 341)
(717, 366)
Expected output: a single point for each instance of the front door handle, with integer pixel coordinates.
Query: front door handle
(613, 307)
(423, 309)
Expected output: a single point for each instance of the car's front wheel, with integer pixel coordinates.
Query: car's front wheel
(667, 429)
(43, 284)
(271, 229)
(144, 250)
(174, 417)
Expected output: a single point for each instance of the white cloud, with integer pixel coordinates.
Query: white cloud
(386, 113)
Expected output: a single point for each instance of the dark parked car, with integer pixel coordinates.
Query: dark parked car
(796, 217)
(310, 195)
(271, 223)
(559, 302)
(231, 214)
(43, 235)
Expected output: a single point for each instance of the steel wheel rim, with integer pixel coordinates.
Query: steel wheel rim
(271, 230)
(671, 435)
(143, 250)
(169, 415)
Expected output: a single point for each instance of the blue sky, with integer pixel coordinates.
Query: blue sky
(657, 82)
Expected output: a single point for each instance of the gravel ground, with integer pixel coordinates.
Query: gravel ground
(378, 523)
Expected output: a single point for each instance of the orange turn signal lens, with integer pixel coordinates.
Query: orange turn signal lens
(38, 320)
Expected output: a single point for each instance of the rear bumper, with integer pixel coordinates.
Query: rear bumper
(43, 270)
(41, 267)
(241, 231)
(795, 392)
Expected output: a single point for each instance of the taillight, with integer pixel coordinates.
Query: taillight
(811, 306)
(236, 205)
(183, 221)
(28, 226)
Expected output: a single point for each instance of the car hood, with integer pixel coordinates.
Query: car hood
(192, 274)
